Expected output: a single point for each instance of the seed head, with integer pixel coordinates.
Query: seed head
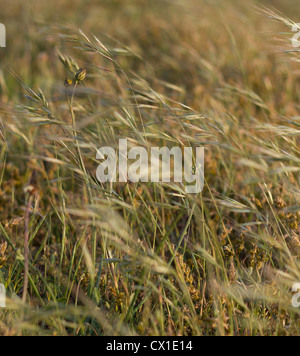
(80, 75)
(280, 203)
(68, 82)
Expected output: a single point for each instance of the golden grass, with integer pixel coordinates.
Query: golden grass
(147, 259)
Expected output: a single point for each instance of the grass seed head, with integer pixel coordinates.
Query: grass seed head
(80, 75)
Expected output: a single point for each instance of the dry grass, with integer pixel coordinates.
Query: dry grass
(147, 259)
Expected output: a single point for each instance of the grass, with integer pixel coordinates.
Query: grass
(82, 258)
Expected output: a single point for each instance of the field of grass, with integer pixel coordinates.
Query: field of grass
(82, 258)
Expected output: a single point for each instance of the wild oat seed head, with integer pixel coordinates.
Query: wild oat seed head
(80, 75)
(68, 82)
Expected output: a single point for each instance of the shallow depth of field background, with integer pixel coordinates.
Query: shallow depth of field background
(147, 259)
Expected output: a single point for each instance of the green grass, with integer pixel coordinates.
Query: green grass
(146, 258)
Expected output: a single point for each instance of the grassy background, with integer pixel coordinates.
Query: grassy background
(147, 259)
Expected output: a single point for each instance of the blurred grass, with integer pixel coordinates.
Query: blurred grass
(148, 259)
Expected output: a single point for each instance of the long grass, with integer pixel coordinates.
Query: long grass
(147, 258)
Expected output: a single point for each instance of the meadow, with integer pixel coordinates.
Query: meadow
(79, 257)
